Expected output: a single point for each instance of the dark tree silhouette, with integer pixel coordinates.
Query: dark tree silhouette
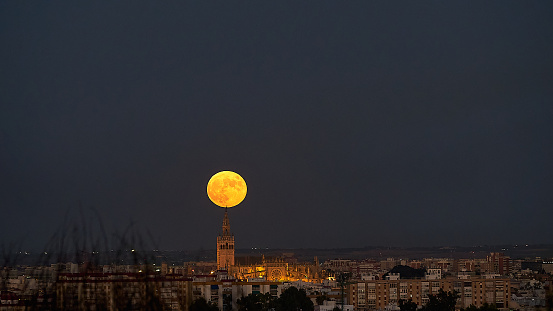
(321, 298)
(256, 302)
(294, 299)
(407, 305)
(406, 272)
(484, 307)
(443, 301)
(201, 304)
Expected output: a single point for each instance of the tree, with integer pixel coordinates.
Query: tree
(201, 304)
(549, 301)
(294, 299)
(443, 301)
(256, 302)
(321, 298)
(227, 302)
(407, 272)
(484, 307)
(343, 279)
(407, 305)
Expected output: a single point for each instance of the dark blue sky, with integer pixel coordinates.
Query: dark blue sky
(354, 123)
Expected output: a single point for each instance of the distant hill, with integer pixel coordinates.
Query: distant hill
(382, 252)
(178, 257)
(406, 272)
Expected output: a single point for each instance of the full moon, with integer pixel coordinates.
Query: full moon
(226, 189)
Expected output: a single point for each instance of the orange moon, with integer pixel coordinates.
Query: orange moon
(226, 189)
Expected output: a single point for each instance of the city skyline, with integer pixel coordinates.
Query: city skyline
(353, 124)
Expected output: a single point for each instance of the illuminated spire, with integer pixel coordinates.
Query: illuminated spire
(225, 246)
(226, 224)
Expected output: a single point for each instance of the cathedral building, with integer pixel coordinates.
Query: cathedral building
(270, 269)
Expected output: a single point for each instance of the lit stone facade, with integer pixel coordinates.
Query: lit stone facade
(225, 246)
(276, 270)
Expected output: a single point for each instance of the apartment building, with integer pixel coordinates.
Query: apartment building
(119, 291)
(225, 293)
(381, 294)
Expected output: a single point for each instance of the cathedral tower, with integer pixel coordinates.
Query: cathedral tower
(225, 246)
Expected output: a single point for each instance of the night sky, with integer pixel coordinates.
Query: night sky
(354, 123)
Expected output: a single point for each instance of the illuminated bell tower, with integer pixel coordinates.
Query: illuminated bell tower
(225, 246)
